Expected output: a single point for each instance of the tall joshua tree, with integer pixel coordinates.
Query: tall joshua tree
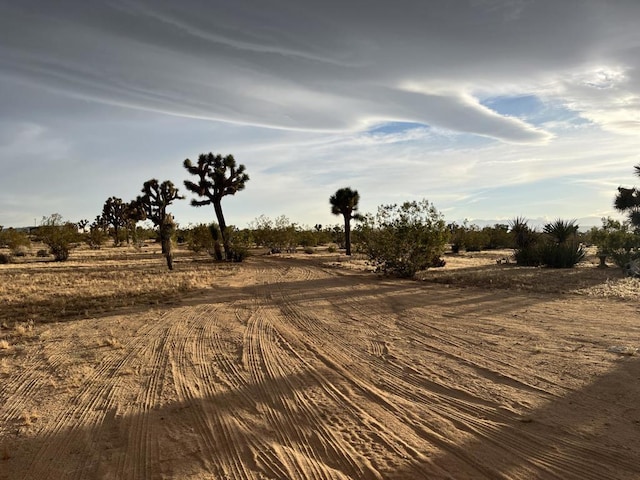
(153, 205)
(114, 215)
(345, 202)
(628, 200)
(218, 176)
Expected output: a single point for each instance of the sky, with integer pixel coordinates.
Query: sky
(490, 109)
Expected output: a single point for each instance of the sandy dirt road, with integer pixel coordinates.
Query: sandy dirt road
(294, 370)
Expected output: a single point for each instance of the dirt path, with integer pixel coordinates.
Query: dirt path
(292, 370)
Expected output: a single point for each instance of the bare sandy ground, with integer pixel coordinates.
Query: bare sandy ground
(293, 369)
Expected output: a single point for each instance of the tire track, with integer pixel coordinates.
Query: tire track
(224, 437)
(462, 411)
(76, 430)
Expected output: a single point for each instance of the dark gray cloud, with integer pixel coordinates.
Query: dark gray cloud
(310, 65)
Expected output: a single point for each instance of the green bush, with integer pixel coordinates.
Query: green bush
(95, 237)
(475, 240)
(59, 236)
(239, 241)
(17, 241)
(199, 238)
(616, 240)
(239, 253)
(403, 239)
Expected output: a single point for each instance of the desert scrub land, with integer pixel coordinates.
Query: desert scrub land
(311, 367)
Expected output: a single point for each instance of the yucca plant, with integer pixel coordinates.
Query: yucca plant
(525, 238)
(561, 255)
(561, 250)
(561, 231)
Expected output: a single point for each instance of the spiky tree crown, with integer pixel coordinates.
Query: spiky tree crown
(217, 176)
(114, 212)
(156, 198)
(628, 201)
(345, 202)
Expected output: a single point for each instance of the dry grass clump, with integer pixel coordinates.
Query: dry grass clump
(5, 368)
(100, 282)
(24, 330)
(627, 288)
(29, 417)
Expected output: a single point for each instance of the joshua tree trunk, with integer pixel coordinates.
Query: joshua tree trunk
(166, 232)
(215, 234)
(347, 233)
(217, 205)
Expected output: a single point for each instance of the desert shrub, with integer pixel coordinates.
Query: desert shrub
(17, 241)
(42, 253)
(438, 262)
(95, 237)
(5, 258)
(332, 249)
(60, 252)
(278, 236)
(498, 236)
(456, 235)
(403, 239)
(239, 254)
(616, 240)
(239, 241)
(475, 239)
(59, 236)
(309, 250)
(307, 238)
(199, 238)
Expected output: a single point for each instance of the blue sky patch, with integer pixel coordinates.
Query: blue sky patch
(395, 127)
(532, 109)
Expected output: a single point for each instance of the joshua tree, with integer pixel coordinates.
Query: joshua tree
(82, 224)
(628, 201)
(167, 230)
(114, 214)
(153, 205)
(217, 176)
(134, 213)
(345, 202)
